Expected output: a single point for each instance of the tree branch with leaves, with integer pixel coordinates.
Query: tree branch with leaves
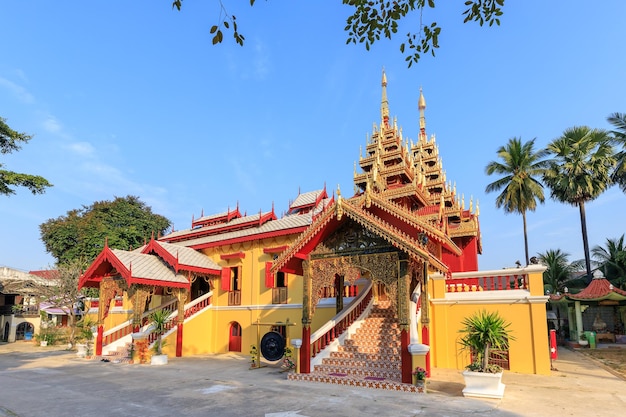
(373, 19)
(11, 141)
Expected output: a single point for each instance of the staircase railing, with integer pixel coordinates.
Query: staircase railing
(335, 327)
(191, 308)
(126, 328)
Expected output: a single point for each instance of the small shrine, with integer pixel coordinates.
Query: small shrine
(600, 308)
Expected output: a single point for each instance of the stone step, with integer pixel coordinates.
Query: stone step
(353, 381)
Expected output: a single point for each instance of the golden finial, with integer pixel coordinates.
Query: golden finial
(462, 201)
(384, 105)
(421, 102)
(477, 209)
(471, 207)
(355, 168)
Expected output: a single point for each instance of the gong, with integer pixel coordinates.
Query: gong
(272, 346)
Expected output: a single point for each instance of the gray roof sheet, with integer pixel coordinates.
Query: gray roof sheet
(148, 267)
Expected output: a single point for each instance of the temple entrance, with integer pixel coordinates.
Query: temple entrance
(234, 337)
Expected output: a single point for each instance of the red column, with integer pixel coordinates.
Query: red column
(407, 364)
(99, 340)
(179, 340)
(305, 350)
(426, 341)
(553, 350)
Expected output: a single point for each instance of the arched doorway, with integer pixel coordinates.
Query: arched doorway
(22, 329)
(234, 338)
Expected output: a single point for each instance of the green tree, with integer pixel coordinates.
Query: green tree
(559, 269)
(124, 222)
(63, 293)
(618, 120)
(372, 19)
(11, 141)
(612, 261)
(520, 166)
(580, 172)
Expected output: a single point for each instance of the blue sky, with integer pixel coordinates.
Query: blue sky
(133, 99)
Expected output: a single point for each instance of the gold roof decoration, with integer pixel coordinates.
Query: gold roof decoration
(410, 173)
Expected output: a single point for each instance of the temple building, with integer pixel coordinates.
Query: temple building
(390, 271)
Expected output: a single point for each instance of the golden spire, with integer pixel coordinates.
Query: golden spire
(421, 106)
(384, 105)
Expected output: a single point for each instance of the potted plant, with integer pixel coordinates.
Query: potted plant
(482, 333)
(582, 339)
(84, 337)
(419, 374)
(159, 320)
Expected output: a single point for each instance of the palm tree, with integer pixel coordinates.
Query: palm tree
(619, 138)
(612, 260)
(559, 269)
(520, 166)
(580, 171)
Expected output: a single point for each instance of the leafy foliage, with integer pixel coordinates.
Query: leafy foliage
(580, 171)
(61, 291)
(520, 165)
(372, 19)
(124, 222)
(482, 332)
(10, 141)
(612, 261)
(559, 269)
(159, 319)
(619, 139)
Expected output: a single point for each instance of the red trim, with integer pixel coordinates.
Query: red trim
(276, 249)
(155, 246)
(225, 276)
(94, 274)
(296, 230)
(179, 340)
(407, 365)
(236, 255)
(269, 277)
(305, 351)
(99, 340)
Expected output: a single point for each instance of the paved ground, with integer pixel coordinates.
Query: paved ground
(36, 381)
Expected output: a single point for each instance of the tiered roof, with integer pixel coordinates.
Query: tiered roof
(411, 174)
(239, 228)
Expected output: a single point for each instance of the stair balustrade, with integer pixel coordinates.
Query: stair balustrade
(338, 324)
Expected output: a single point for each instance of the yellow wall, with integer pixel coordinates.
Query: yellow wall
(525, 310)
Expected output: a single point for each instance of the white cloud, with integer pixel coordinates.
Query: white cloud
(52, 125)
(17, 90)
(82, 149)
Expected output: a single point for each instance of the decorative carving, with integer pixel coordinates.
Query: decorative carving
(109, 288)
(349, 238)
(138, 295)
(382, 267)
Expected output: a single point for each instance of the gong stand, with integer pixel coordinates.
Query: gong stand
(257, 356)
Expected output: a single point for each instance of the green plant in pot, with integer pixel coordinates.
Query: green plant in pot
(84, 336)
(482, 333)
(159, 320)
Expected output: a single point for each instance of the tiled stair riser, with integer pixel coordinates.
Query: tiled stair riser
(370, 358)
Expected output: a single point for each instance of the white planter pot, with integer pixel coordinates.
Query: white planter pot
(483, 384)
(158, 360)
(81, 350)
(583, 342)
(43, 343)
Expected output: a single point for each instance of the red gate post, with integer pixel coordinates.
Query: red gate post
(553, 350)
(179, 340)
(99, 340)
